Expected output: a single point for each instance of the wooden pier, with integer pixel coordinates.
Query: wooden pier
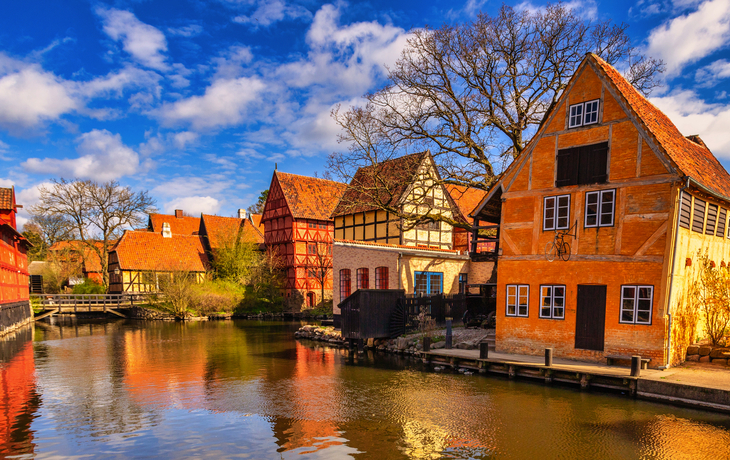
(87, 303)
(612, 378)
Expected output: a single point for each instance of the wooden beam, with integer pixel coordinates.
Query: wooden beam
(652, 239)
(633, 182)
(509, 242)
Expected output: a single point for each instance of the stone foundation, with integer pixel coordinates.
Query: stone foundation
(718, 356)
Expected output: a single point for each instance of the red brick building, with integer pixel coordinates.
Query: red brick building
(14, 292)
(638, 200)
(298, 227)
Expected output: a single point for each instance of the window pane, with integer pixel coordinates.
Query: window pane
(558, 312)
(627, 316)
(545, 312)
(645, 293)
(576, 115)
(629, 292)
(558, 301)
(549, 214)
(591, 112)
(591, 209)
(559, 291)
(435, 283)
(523, 310)
(511, 310)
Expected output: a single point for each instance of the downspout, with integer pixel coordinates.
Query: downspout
(400, 283)
(671, 274)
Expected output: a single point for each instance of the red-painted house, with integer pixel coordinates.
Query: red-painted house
(14, 291)
(298, 227)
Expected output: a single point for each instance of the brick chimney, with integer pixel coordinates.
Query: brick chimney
(166, 232)
(241, 213)
(179, 213)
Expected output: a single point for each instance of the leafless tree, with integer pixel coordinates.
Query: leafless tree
(96, 212)
(475, 93)
(319, 263)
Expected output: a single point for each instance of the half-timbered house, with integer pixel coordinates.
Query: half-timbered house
(634, 199)
(298, 228)
(375, 249)
(142, 260)
(14, 292)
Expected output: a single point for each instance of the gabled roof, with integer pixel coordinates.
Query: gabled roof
(218, 229)
(466, 198)
(310, 197)
(6, 198)
(692, 159)
(185, 225)
(256, 220)
(384, 183)
(152, 252)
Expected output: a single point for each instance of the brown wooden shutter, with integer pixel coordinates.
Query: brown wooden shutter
(685, 213)
(599, 163)
(722, 218)
(698, 217)
(711, 219)
(567, 173)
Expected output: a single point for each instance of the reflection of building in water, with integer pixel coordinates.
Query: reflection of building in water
(18, 398)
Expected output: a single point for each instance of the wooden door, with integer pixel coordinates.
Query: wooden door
(590, 317)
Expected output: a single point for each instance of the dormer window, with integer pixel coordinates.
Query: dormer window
(585, 113)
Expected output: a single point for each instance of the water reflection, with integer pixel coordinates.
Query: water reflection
(225, 389)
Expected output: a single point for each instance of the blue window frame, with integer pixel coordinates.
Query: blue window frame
(429, 283)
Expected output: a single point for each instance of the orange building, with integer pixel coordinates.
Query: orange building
(637, 199)
(14, 292)
(80, 254)
(298, 227)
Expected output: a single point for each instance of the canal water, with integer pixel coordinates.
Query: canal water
(247, 389)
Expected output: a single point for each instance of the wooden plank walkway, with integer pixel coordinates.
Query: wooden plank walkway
(79, 303)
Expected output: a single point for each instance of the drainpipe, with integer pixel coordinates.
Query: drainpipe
(671, 274)
(400, 283)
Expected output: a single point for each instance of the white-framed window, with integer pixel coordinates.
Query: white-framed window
(600, 208)
(590, 110)
(585, 113)
(518, 298)
(636, 304)
(552, 302)
(576, 115)
(556, 212)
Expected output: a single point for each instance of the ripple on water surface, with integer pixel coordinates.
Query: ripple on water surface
(249, 390)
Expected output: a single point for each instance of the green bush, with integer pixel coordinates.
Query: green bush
(89, 287)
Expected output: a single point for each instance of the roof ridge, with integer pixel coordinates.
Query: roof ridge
(309, 177)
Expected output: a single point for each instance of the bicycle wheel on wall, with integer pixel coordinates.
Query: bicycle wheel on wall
(551, 251)
(565, 252)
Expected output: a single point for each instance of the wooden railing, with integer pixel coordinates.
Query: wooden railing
(51, 301)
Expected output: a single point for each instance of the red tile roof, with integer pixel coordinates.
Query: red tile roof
(6, 198)
(466, 198)
(382, 184)
(89, 257)
(310, 197)
(691, 159)
(185, 225)
(256, 219)
(152, 252)
(218, 229)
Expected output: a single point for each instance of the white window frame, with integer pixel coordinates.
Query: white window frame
(515, 293)
(556, 207)
(578, 114)
(590, 109)
(550, 297)
(599, 208)
(635, 304)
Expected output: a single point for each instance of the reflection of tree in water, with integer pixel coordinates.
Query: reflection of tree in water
(19, 400)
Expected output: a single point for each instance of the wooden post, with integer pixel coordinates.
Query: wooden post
(448, 334)
(548, 357)
(427, 344)
(636, 366)
(483, 350)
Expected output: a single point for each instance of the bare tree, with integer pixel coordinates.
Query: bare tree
(96, 212)
(319, 263)
(258, 207)
(474, 94)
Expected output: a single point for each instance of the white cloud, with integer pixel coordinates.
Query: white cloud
(186, 31)
(692, 115)
(345, 59)
(27, 197)
(143, 42)
(182, 139)
(6, 183)
(115, 83)
(102, 156)
(587, 9)
(192, 185)
(708, 75)
(689, 38)
(30, 96)
(194, 205)
(224, 103)
(271, 11)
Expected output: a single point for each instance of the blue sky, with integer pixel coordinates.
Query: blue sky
(196, 100)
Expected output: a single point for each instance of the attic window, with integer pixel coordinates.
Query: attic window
(585, 113)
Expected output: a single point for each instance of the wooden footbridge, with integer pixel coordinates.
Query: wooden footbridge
(86, 303)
